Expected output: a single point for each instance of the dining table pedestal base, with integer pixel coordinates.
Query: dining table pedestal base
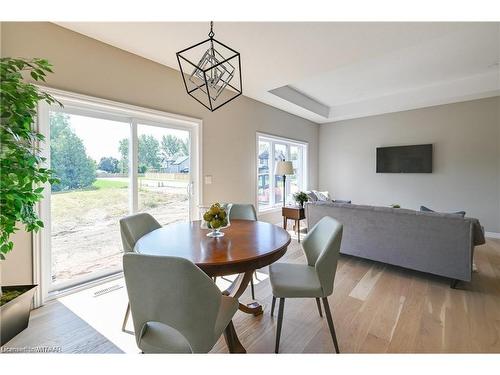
(253, 308)
(232, 341)
(238, 287)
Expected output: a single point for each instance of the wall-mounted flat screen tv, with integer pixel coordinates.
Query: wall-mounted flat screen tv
(405, 159)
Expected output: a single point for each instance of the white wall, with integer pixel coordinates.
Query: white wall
(466, 175)
(87, 66)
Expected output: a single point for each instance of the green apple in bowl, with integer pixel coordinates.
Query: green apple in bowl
(215, 218)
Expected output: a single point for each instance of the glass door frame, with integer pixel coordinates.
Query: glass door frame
(131, 115)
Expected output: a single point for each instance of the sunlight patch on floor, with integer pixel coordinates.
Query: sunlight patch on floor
(104, 310)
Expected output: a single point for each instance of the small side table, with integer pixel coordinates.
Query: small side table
(294, 213)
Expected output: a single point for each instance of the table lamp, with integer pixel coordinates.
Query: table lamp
(284, 168)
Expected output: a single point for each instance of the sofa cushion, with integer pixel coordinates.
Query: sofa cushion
(425, 209)
(393, 210)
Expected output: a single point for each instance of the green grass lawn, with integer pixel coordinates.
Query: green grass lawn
(102, 183)
(109, 183)
(106, 199)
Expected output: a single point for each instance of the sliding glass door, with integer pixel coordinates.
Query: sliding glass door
(111, 161)
(163, 173)
(90, 198)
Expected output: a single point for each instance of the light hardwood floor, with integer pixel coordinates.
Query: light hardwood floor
(376, 308)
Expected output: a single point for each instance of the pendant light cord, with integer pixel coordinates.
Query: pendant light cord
(211, 34)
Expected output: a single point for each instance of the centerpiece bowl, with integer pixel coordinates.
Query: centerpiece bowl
(215, 219)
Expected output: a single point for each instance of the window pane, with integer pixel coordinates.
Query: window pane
(295, 158)
(263, 189)
(163, 173)
(91, 197)
(281, 149)
(280, 153)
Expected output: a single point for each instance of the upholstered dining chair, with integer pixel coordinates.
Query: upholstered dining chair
(312, 280)
(238, 211)
(132, 228)
(176, 306)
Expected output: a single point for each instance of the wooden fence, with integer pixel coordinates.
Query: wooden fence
(167, 176)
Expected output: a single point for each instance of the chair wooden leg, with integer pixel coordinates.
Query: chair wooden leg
(272, 305)
(318, 303)
(125, 319)
(280, 322)
(330, 324)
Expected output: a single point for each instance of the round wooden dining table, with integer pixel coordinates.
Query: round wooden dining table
(245, 247)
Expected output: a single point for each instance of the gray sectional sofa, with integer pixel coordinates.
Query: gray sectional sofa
(437, 243)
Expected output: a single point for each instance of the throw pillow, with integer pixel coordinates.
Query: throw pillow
(425, 209)
(312, 196)
(322, 195)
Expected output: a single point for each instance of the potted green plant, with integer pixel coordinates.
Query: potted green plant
(22, 175)
(301, 197)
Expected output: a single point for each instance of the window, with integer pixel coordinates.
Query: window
(270, 150)
(112, 160)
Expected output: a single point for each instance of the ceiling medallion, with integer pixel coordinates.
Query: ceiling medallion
(211, 72)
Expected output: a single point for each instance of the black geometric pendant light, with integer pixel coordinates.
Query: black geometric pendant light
(211, 72)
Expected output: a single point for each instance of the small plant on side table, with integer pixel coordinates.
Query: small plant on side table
(301, 197)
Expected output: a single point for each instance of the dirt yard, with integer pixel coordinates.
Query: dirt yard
(85, 231)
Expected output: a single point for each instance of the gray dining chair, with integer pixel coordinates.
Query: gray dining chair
(312, 280)
(239, 211)
(176, 306)
(132, 228)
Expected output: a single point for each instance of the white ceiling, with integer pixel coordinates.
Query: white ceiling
(355, 69)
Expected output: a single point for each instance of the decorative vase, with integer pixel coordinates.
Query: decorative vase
(217, 215)
(299, 204)
(214, 232)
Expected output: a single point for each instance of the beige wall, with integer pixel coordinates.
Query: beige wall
(466, 176)
(17, 268)
(86, 66)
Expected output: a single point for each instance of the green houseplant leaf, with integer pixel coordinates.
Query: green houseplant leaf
(301, 197)
(22, 170)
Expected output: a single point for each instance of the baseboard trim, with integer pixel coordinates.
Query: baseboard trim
(492, 235)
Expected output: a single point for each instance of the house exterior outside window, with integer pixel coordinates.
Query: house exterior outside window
(270, 150)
